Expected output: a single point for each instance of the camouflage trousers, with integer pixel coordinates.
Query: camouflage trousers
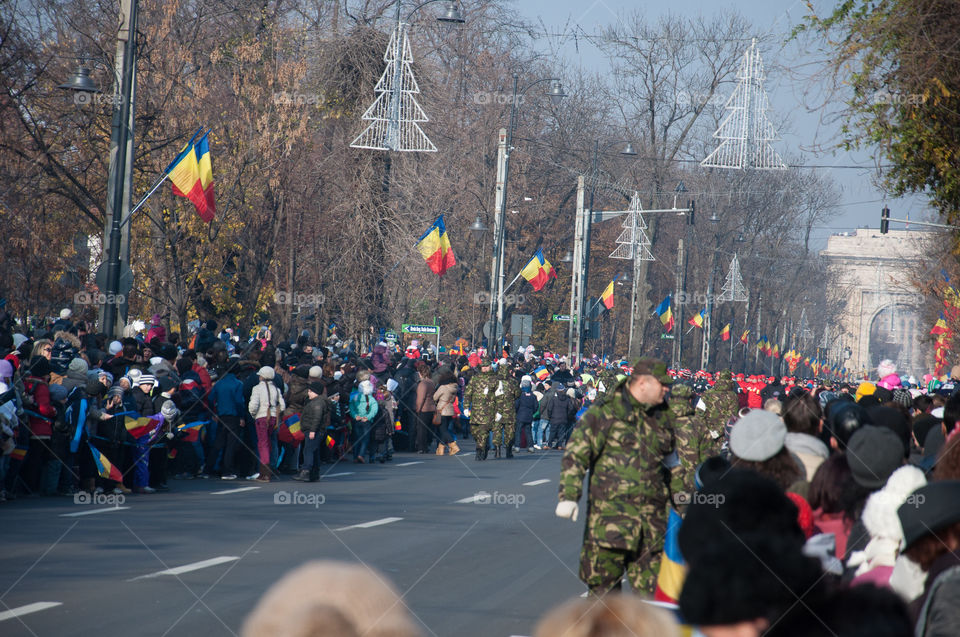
(601, 569)
(503, 433)
(480, 433)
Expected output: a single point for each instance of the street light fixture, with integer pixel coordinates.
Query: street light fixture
(478, 226)
(713, 217)
(556, 93)
(567, 258)
(451, 14)
(81, 81)
(629, 151)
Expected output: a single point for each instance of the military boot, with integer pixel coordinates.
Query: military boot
(509, 450)
(485, 445)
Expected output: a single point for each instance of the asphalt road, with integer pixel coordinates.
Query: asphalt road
(466, 564)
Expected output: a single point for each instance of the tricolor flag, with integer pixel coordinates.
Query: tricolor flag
(725, 332)
(940, 327)
(289, 430)
(665, 313)
(191, 430)
(697, 320)
(745, 337)
(607, 296)
(672, 568)
(541, 372)
(140, 427)
(434, 246)
(538, 271)
(191, 174)
(396, 427)
(775, 352)
(331, 442)
(19, 452)
(104, 467)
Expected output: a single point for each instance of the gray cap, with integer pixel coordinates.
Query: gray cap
(759, 435)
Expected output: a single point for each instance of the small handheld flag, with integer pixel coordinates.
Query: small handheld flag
(745, 337)
(289, 430)
(331, 442)
(538, 271)
(191, 431)
(672, 570)
(541, 372)
(104, 467)
(434, 246)
(140, 427)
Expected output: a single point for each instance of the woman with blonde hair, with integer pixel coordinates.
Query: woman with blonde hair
(614, 615)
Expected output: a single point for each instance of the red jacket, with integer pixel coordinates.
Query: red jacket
(204, 379)
(40, 427)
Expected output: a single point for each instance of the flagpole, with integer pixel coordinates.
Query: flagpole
(504, 290)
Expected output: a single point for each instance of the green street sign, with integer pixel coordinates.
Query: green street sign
(390, 335)
(562, 317)
(420, 329)
(667, 337)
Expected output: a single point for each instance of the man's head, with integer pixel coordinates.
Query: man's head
(650, 381)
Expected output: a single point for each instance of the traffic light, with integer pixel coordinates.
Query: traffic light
(693, 210)
(884, 220)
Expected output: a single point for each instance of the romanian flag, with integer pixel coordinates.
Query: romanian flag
(434, 246)
(396, 427)
(744, 338)
(191, 430)
(192, 176)
(940, 327)
(19, 452)
(538, 271)
(763, 345)
(672, 567)
(607, 296)
(541, 372)
(331, 442)
(140, 427)
(725, 332)
(104, 467)
(697, 320)
(289, 430)
(665, 313)
(775, 352)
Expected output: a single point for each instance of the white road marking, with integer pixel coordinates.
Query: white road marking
(367, 525)
(91, 512)
(536, 482)
(187, 568)
(241, 489)
(473, 498)
(20, 611)
(407, 464)
(337, 475)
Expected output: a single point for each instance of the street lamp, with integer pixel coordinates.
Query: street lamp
(567, 258)
(120, 138)
(478, 226)
(556, 94)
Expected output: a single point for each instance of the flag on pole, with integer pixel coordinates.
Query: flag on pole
(541, 373)
(434, 246)
(697, 320)
(744, 338)
(191, 430)
(940, 327)
(104, 467)
(725, 332)
(191, 174)
(140, 427)
(538, 271)
(665, 313)
(607, 296)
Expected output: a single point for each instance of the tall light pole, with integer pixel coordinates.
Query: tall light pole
(497, 278)
(578, 323)
(121, 154)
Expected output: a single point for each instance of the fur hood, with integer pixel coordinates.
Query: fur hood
(67, 337)
(881, 520)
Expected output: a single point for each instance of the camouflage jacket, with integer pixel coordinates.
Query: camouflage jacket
(695, 441)
(630, 451)
(479, 395)
(606, 381)
(721, 404)
(506, 393)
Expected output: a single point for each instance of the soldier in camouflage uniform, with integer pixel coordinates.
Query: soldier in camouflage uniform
(628, 443)
(607, 381)
(479, 394)
(505, 418)
(720, 405)
(695, 441)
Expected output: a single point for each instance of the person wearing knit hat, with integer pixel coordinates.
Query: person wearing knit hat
(757, 442)
(874, 453)
(930, 518)
(316, 372)
(312, 424)
(265, 405)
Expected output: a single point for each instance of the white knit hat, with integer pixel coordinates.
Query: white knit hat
(316, 371)
(266, 373)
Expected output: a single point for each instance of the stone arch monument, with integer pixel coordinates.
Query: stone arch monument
(881, 318)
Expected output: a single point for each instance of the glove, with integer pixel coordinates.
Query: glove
(567, 509)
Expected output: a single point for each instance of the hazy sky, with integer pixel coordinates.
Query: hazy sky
(792, 93)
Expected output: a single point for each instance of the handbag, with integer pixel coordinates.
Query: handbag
(436, 417)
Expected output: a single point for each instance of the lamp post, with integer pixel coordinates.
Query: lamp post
(121, 155)
(578, 323)
(497, 279)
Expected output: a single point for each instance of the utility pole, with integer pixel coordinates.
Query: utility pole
(677, 361)
(496, 277)
(577, 283)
